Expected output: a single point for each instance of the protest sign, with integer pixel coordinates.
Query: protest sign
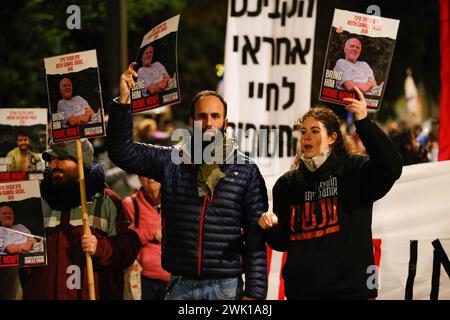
(74, 95)
(22, 232)
(359, 53)
(157, 83)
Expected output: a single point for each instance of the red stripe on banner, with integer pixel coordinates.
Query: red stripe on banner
(377, 255)
(377, 251)
(444, 121)
(281, 295)
(269, 258)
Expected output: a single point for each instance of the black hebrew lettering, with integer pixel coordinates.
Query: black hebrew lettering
(288, 9)
(301, 52)
(291, 86)
(287, 50)
(251, 132)
(272, 87)
(265, 141)
(276, 14)
(251, 50)
(251, 85)
(310, 8)
(257, 12)
(272, 91)
(238, 13)
(271, 42)
(412, 266)
(435, 276)
(292, 49)
(260, 90)
(439, 258)
(286, 130)
(296, 6)
(235, 43)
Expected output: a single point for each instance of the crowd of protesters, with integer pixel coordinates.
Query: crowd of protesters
(159, 205)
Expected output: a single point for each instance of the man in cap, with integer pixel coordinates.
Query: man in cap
(112, 245)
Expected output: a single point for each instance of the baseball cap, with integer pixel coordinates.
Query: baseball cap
(69, 149)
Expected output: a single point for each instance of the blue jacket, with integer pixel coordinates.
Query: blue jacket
(203, 237)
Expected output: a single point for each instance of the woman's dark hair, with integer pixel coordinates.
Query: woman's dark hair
(331, 123)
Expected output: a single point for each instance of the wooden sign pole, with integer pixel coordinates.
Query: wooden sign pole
(86, 229)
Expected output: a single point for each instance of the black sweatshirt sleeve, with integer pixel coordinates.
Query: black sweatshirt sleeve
(278, 237)
(384, 165)
(139, 158)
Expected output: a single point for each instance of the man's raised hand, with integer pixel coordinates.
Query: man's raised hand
(127, 83)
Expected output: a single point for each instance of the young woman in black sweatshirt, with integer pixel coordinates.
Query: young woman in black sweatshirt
(322, 209)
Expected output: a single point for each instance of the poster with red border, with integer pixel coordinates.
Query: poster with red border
(23, 133)
(157, 84)
(74, 96)
(359, 53)
(22, 231)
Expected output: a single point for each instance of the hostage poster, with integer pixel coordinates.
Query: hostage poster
(359, 53)
(23, 136)
(74, 96)
(22, 232)
(157, 83)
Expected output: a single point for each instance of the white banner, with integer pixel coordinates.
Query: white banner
(72, 62)
(161, 30)
(413, 223)
(268, 72)
(18, 191)
(23, 117)
(416, 209)
(370, 25)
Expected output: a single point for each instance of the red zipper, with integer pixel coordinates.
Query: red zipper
(200, 238)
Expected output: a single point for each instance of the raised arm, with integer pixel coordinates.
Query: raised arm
(384, 165)
(139, 158)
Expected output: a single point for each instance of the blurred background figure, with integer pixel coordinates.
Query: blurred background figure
(146, 129)
(407, 145)
(144, 210)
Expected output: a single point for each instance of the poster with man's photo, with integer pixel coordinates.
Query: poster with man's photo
(23, 138)
(359, 53)
(157, 83)
(74, 96)
(22, 231)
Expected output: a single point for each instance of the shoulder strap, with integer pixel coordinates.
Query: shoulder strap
(136, 211)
